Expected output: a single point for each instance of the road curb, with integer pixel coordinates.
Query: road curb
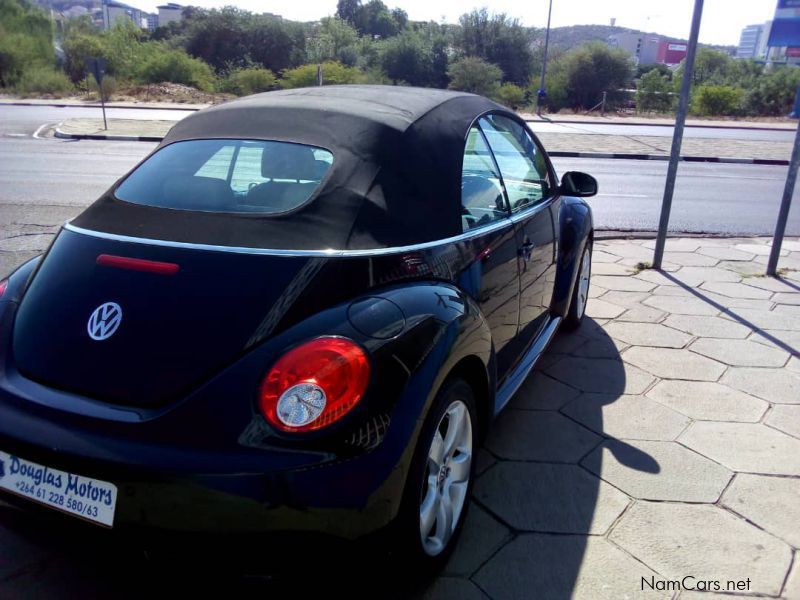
(123, 106)
(556, 153)
(646, 124)
(662, 157)
(98, 136)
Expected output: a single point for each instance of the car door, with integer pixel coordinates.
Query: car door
(529, 184)
(493, 275)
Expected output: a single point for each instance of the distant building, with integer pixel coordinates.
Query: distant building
(114, 11)
(152, 21)
(169, 13)
(753, 42)
(649, 49)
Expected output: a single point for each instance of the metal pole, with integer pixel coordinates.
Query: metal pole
(540, 93)
(786, 203)
(677, 137)
(603, 109)
(103, 104)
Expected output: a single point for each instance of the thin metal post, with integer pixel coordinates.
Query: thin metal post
(103, 104)
(603, 109)
(677, 137)
(786, 203)
(541, 92)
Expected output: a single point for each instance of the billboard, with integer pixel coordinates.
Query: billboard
(785, 29)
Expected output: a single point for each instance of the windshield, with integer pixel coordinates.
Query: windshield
(245, 176)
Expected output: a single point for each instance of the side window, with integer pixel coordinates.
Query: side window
(522, 163)
(482, 199)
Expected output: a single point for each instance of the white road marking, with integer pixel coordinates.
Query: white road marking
(37, 133)
(624, 195)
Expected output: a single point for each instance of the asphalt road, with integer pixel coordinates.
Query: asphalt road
(712, 198)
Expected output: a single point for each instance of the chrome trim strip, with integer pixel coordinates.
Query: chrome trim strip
(330, 253)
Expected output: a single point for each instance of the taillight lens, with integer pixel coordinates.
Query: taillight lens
(3, 286)
(315, 384)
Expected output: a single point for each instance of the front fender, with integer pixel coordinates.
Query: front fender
(575, 229)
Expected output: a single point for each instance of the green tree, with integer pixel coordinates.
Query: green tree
(773, 93)
(654, 92)
(579, 77)
(473, 74)
(407, 58)
(26, 40)
(498, 39)
(332, 39)
(77, 48)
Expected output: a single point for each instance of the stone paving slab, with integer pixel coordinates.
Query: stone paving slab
(705, 541)
(772, 503)
(640, 448)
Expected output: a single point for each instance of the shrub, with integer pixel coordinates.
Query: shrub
(511, 95)
(333, 73)
(244, 82)
(44, 80)
(109, 86)
(654, 92)
(720, 100)
(177, 67)
(473, 74)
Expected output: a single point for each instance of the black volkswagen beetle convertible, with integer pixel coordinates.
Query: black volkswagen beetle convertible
(300, 313)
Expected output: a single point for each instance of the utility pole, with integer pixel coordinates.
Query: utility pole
(540, 94)
(677, 137)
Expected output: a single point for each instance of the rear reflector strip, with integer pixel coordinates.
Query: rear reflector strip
(137, 264)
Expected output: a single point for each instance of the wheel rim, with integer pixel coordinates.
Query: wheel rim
(444, 491)
(583, 282)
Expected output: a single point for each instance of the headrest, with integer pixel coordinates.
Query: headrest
(288, 161)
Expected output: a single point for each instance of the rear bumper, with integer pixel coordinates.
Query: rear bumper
(312, 499)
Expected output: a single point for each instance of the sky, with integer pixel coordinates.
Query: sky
(722, 22)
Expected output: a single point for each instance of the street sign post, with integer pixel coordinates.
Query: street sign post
(786, 201)
(97, 66)
(677, 136)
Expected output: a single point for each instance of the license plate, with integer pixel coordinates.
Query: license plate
(90, 499)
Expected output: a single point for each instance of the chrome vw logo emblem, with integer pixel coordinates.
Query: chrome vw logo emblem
(104, 321)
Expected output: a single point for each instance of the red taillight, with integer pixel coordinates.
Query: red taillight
(137, 264)
(315, 384)
(3, 286)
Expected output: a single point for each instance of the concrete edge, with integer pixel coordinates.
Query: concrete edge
(662, 157)
(648, 124)
(123, 106)
(98, 136)
(556, 153)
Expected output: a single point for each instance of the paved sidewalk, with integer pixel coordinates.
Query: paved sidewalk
(645, 145)
(659, 441)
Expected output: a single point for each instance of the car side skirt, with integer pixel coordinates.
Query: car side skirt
(525, 366)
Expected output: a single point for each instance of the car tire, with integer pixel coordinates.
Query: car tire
(580, 293)
(431, 482)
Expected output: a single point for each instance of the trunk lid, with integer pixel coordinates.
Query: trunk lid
(175, 330)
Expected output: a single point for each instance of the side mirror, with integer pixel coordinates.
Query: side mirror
(575, 183)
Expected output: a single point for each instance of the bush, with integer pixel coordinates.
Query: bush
(44, 80)
(244, 82)
(511, 95)
(473, 74)
(109, 86)
(333, 73)
(654, 92)
(177, 67)
(722, 100)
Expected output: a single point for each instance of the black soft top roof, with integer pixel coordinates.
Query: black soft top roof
(395, 180)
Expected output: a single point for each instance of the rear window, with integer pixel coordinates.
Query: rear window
(228, 176)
